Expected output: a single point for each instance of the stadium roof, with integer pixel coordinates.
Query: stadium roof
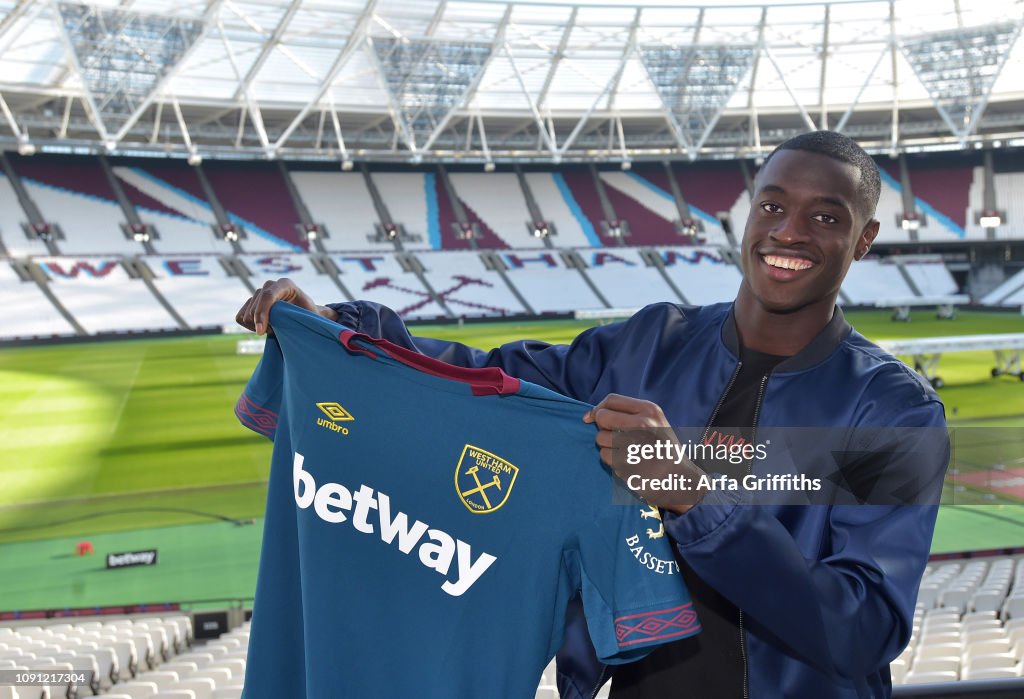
(474, 81)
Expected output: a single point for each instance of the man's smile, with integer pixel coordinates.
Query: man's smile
(787, 262)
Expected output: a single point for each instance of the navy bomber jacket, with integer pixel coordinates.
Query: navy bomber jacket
(827, 591)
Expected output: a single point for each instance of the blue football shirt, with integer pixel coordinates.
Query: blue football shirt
(427, 526)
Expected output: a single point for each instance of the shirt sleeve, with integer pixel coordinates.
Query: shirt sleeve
(634, 597)
(260, 403)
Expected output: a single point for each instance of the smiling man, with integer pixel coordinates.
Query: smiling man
(797, 601)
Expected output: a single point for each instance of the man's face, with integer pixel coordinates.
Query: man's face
(804, 229)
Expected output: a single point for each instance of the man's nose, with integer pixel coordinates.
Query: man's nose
(789, 230)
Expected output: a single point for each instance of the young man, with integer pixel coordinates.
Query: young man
(796, 601)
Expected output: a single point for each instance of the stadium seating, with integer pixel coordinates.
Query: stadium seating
(213, 670)
(872, 281)
(26, 311)
(702, 275)
(199, 289)
(183, 222)
(380, 277)
(256, 198)
(625, 279)
(411, 198)
(556, 202)
(468, 287)
(341, 202)
(203, 278)
(76, 195)
(1009, 293)
(547, 283)
(649, 209)
(963, 626)
(497, 199)
(1010, 190)
(12, 236)
(714, 191)
(931, 277)
(116, 652)
(102, 297)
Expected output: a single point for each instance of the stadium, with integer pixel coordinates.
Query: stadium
(491, 170)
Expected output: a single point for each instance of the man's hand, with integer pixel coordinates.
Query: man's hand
(624, 421)
(255, 313)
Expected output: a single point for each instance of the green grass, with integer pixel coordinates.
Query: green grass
(125, 442)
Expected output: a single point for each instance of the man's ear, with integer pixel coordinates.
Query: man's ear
(867, 237)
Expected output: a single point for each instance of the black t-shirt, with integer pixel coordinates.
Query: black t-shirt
(709, 665)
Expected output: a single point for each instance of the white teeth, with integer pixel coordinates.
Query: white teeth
(795, 263)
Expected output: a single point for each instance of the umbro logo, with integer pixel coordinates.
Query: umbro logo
(335, 413)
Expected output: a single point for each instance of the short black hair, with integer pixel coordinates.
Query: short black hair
(845, 150)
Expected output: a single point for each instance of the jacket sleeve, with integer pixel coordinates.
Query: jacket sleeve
(572, 370)
(848, 612)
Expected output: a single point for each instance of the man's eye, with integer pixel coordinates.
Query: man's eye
(826, 218)
(770, 207)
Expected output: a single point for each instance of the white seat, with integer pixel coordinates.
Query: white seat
(985, 662)
(82, 663)
(1013, 608)
(214, 649)
(949, 664)
(979, 624)
(161, 678)
(980, 614)
(184, 668)
(219, 675)
(938, 650)
(201, 687)
(992, 673)
(174, 636)
(184, 625)
(930, 677)
(235, 666)
(137, 689)
(175, 694)
(200, 659)
(227, 693)
(975, 635)
(992, 645)
(941, 638)
(147, 655)
(106, 661)
(55, 690)
(941, 626)
(127, 658)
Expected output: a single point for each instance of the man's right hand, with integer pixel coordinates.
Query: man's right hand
(255, 313)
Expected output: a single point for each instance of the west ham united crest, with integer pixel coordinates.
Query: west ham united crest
(483, 480)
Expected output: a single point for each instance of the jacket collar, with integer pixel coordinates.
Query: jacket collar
(816, 351)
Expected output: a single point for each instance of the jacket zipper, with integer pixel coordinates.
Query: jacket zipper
(707, 429)
(753, 437)
(721, 399)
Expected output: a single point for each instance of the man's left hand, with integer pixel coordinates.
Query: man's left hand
(624, 421)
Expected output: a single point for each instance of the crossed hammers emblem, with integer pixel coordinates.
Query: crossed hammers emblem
(481, 487)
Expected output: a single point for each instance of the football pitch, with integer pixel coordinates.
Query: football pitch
(134, 445)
